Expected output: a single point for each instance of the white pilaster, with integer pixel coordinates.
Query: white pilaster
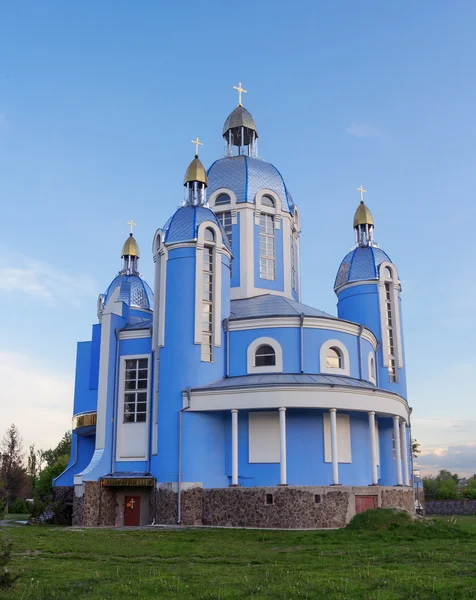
(234, 447)
(403, 435)
(282, 446)
(373, 448)
(335, 459)
(398, 451)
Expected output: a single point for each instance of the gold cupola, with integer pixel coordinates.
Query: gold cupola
(196, 172)
(195, 180)
(363, 222)
(362, 215)
(130, 247)
(130, 253)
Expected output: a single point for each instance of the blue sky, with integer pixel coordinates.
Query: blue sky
(99, 102)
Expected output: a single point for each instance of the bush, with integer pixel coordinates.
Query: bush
(18, 507)
(380, 519)
(7, 578)
(53, 513)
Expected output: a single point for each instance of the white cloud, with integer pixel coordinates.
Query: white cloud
(457, 458)
(363, 130)
(42, 280)
(36, 398)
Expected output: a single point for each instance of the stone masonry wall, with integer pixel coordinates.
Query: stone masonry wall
(275, 507)
(99, 505)
(450, 507)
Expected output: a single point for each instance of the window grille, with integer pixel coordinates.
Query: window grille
(267, 247)
(392, 363)
(135, 390)
(207, 305)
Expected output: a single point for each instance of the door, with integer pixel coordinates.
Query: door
(364, 503)
(131, 511)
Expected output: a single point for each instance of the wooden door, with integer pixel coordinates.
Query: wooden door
(131, 511)
(364, 503)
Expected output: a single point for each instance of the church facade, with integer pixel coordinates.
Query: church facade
(217, 397)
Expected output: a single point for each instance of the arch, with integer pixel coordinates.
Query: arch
(264, 342)
(265, 356)
(371, 368)
(267, 200)
(265, 207)
(223, 198)
(209, 235)
(338, 347)
(220, 192)
(387, 271)
(334, 358)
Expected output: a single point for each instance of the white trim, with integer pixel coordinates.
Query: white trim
(121, 427)
(296, 396)
(217, 291)
(396, 315)
(398, 451)
(132, 334)
(234, 447)
(343, 437)
(370, 358)
(345, 370)
(309, 323)
(277, 368)
(264, 437)
(219, 192)
(373, 447)
(261, 208)
(282, 447)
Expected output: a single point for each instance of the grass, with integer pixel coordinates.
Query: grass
(374, 560)
(16, 517)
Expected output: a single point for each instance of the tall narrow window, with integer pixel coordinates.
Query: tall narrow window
(224, 218)
(135, 390)
(207, 302)
(294, 262)
(267, 247)
(392, 362)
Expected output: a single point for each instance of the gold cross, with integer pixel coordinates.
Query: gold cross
(240, 91)
(362, 192)
(131, 224)
(197, 143)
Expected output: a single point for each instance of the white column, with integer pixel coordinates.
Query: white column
(234, 447)
(335, 460)
(373, 448)
(282, 447)
(403, 433)
(398, 452)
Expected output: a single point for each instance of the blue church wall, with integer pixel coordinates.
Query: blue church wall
(139, 466)
(82, 450)
(388, 466)
(203, 445)
(94, 364)
(85, 398)
(313, 340)
(278, 283)
(132, 346)
(235, 272)
(180, 358)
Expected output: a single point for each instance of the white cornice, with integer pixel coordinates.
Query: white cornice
(132, 334)
(309, 323)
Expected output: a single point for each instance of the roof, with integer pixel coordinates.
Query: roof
(183, 225)
(239, 117)
(271, 305)
(362, 215)
(360, 264)
(195, 172)
(246, 176)
(130, 247)
(279, 379)
(136, 322)
(134, 291)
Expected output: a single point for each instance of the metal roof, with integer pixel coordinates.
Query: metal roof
(360, 264)
(183, 225)
(134, 291)
(271, 305)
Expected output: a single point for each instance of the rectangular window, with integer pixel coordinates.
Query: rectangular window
(207, 305)
(344, 452)
(263, 432)
(294, 263)
(392, 371)
(224, 218)
(267, 247)
(135, 390)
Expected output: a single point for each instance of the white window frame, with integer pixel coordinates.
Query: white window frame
(263, 437)
(255, 344)
(372, 378)
(344, 446)
(394, 284)
(345, 369)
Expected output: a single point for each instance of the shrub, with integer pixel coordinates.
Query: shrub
(19, 507)
(7, 578)
(380, 518)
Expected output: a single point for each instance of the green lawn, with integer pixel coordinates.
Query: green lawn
(418, 561)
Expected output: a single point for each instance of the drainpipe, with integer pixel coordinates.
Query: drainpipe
(179, 467)
(227, 349)
(361, 329)
(115, 400)
(301, 326)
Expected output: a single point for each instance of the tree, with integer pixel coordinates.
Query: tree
(12, 472)
(469, 490)
(56, 460)
(416, 449)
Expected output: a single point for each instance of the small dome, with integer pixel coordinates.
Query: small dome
(240, 117)
(183, 225)
(362, 215)
(130, 247)
(360, 264)
(134, 291)
(196, 172)
(246, 176)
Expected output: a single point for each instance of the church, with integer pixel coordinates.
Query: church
(216, 397)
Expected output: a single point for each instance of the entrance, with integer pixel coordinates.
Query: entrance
(131, 511)
(365, 503)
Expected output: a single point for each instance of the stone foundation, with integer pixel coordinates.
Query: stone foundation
(274, 507)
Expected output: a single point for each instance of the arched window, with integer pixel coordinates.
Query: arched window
(372, 368)
(334, 359)
(267, 201)
(387, 273)
(265, 356)
(209, 235)
(222, 199)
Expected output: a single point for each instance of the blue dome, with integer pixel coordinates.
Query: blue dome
(360, 264)
(246, 176)
(183, 225)
(134, 291)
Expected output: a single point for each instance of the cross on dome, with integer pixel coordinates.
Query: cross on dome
(362, 192)
(197, 143)
(131, 225)
(240, 91)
